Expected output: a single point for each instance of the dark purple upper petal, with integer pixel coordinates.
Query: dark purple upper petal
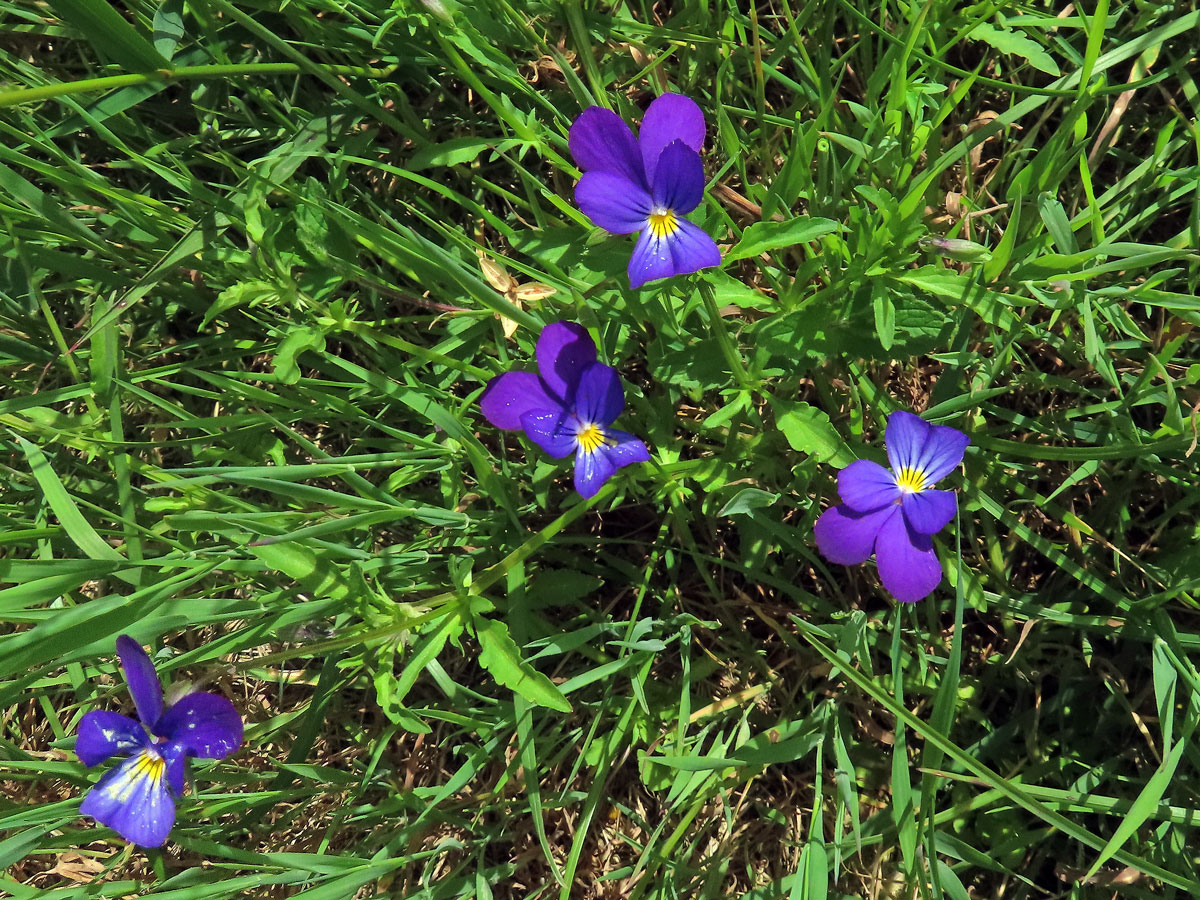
(848, 537)
(592, 470)
(205, 725)
(943, 451)
(600, 397)
(509, 395)
(144, 685)
(928, 512)
(551, 429)
(600, 142)
(864, 485)
(932, 450)
(134, 800)
(106, 734)
(671, 117)
(678, 183)
(908, 565)
(904, 437)
(564, 350)
(613, 202)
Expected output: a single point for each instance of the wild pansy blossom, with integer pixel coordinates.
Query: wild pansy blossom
(646, 184)
(567, 407)
(894, 513)
(137, 798)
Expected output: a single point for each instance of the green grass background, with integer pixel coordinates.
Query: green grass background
(244, 328)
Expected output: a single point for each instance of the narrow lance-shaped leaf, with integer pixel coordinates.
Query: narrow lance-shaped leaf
(764, 236)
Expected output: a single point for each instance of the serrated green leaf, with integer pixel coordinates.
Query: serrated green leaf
(1016, 44)
(244, 293)
(298, 341)
(808, 430)
(729, 291)
(502, 658)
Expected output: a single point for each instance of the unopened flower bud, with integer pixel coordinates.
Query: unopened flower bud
(955, 248)
(438, 8)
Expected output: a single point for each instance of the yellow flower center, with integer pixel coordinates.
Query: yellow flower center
(911, 481)
(149, 765)
(591, 437)
(663, 224)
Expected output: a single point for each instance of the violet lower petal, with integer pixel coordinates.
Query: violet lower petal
(600, 142)
(671, 117)
(134, 800)
(592, 470)
(928, 512)
(908, 564)
(847, 537)
(613, 202)
(651, 260)
(508, 396)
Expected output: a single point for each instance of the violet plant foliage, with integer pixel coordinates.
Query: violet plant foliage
(646, 185)
(567, 406)
(137, 798)
(894, 513)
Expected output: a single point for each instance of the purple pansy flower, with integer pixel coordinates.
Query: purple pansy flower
(894, 513)
(567, 407)
(646, 184)
(137, 798)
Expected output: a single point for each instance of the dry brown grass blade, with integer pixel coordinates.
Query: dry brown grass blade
(1108, 131)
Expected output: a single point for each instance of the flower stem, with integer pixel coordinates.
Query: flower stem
(717, 324)
(107, 82)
